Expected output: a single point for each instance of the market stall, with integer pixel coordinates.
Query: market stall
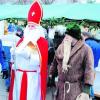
(70, 11)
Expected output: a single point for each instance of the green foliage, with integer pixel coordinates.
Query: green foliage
(60, 21)
(72, 25)
(12, 20)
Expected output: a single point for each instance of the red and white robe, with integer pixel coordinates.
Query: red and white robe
(28, 77)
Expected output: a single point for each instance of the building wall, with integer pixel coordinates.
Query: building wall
(58, 1)
(46, 1)
(16, 1)
(65, 1)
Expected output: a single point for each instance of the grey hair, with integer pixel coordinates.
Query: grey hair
(60, 29)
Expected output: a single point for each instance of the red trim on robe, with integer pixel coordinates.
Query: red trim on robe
(10, 96)
(23, 91)
(43, 47)
(19, 41)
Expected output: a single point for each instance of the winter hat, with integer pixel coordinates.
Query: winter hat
(74, 30)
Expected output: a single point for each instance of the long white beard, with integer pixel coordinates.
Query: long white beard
(33, 35)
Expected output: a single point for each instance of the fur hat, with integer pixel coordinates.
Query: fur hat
(74, 30)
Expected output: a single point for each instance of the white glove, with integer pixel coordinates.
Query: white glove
(83, 96)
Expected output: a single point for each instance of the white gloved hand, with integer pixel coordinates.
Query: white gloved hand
(83, 96)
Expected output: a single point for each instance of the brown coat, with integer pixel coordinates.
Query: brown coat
(81, 70)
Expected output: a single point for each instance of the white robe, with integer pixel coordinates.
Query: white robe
(26, 61)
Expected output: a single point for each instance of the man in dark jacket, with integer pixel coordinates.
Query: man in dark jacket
(95, 46)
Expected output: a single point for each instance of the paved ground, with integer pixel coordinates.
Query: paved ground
(49, 94)
(3, 93)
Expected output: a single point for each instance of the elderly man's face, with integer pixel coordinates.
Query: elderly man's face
(31, 26)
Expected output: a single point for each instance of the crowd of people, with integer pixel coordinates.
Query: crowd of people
(64, 58)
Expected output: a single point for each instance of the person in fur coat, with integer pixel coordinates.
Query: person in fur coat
(74, 62)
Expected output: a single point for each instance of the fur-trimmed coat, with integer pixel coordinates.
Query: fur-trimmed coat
(81, 70)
